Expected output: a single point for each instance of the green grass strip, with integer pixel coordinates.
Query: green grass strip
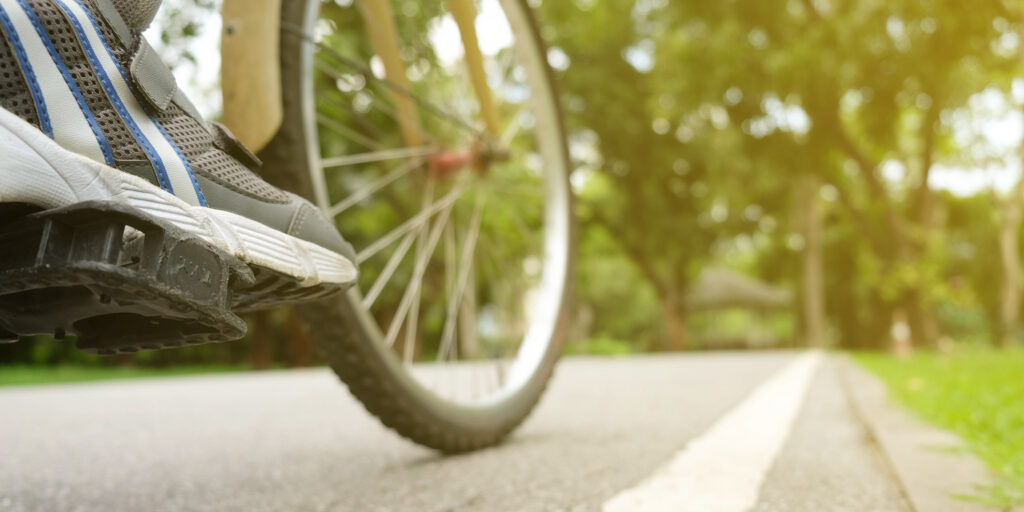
(35, 375)
(977, 394)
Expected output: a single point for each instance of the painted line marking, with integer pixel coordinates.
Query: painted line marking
(722, 469)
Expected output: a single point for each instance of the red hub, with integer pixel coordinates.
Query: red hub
(480, 155)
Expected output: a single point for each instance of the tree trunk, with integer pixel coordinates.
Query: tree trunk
(812, 268)
(920, 315)
(301, 347)
(674, 315)
(923, 327)
(260, 340)
(1009, 252)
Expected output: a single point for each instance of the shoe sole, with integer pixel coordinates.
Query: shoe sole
(114, 278)
(38, 171)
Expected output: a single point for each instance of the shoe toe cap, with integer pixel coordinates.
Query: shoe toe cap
(291, 214)
(310, 225)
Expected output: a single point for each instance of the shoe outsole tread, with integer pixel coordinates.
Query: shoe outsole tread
(117, 279)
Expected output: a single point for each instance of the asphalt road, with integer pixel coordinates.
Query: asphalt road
(297, 441)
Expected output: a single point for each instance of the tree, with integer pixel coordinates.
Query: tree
(1011, 208)
(853, 92)
(1009, 250)
(663, 191)
(812, 277)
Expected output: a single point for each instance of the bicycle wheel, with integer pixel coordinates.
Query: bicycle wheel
(463, 224)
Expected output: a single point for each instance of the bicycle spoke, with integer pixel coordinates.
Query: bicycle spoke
(417, 278)
(353, 114)
(414, 313)
(320, 65)
(409, 350)
(449, 260)
(425, 105)
(376, 156)
(389, 269)
(505, 180)
(513, 128)
(465, 265)
(409, 225)
(467, 319)
(388, 109)
(450, 266)
(348, 133)
(366, 191)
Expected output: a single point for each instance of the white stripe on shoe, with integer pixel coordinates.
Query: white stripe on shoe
(722, 470)
(171, 166)
(69, 117)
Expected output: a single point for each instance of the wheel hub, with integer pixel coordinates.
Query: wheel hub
(480, 155)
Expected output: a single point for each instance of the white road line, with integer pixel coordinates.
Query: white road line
(722, 470)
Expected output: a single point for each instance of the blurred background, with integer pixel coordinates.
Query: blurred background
(750, 174)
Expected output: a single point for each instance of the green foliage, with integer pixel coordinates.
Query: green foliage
(180, 24)
(692, 123)
(365, 113)
(742, 328)
(31, 375)
(615, 299)
(702, 110)
(671, 183)
(600, 347)
(977, 394)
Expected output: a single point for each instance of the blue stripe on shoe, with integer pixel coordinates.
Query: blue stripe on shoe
(89, 117)
(30, 75)
(180, 166)
(115, 100)
(188, 166)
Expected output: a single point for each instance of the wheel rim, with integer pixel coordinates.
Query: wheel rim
(415, 241)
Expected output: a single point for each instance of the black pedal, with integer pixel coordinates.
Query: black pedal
(274, 289)
(117, 278)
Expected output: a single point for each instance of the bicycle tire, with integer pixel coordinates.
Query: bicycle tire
(371, 371)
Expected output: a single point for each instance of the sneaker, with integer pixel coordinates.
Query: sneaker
(89, 112)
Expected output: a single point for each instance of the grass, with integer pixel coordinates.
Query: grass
(977, 394)
(599, 347)
(33, 375)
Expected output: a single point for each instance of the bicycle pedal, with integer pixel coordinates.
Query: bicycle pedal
(273, 289)
(116, 278)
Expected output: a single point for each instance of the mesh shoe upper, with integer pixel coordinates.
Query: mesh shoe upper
(14, 92)
(142, 123)
(138, 14)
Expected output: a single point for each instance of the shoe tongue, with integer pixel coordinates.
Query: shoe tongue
(138, 14)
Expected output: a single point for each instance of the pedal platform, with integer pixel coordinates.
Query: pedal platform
(273, 289)
(115, 277)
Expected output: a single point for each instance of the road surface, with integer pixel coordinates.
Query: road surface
(638, 433)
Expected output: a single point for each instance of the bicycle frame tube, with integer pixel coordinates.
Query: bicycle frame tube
(380, 24)
(464, 13)
(250, 70)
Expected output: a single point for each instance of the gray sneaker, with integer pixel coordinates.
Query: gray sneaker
(89, 112)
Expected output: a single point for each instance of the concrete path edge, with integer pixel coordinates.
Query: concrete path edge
(931, 464)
